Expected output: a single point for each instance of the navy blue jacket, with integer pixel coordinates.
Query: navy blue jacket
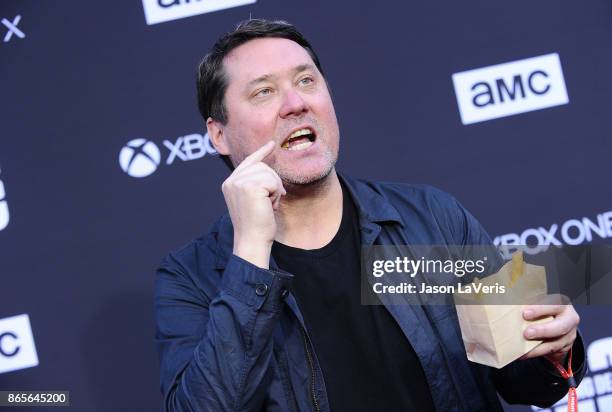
(231, 337)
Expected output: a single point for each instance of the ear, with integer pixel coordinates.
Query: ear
(217, 138)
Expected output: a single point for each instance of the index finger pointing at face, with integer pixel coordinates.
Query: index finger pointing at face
(257, 156)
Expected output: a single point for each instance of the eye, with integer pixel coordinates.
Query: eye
(306, 81)
(263, 92)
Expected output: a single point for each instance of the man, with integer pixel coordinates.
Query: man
(263, 312)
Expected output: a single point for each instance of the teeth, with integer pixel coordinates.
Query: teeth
(294, 135)
(301, 146)
(300, 132)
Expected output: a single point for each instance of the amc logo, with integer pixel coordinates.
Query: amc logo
(159, 11)
(17, 349)
(510, 88)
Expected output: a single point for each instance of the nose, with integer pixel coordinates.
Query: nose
(293, 104)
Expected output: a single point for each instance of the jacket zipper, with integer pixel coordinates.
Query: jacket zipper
(312, 371)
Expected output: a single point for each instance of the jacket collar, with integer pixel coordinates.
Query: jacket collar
(372, 206)
(373, 209)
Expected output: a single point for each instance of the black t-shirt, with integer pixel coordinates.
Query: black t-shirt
(367, 362)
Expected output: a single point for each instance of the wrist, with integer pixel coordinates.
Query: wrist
(255, 252)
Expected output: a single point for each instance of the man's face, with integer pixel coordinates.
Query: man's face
(275, 92)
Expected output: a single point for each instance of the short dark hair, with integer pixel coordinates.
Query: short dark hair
(211, 80)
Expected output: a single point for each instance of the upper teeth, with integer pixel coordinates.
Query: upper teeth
(295, 134)
(300, 132)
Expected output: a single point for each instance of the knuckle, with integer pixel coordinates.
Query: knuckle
(547, 332)
(234, 185)
(243, 184)
(546, 348)
(567, 329)
(563, 347)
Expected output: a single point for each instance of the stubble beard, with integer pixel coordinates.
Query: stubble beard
(297, 179)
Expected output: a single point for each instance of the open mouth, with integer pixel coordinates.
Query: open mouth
(300, 139)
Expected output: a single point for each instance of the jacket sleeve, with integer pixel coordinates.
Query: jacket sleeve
(214, 351)
(536, 381)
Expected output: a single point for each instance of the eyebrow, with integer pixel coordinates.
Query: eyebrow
(266, 77)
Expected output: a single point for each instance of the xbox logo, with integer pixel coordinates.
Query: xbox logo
(139, 158)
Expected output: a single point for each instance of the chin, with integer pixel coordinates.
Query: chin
(306, 177)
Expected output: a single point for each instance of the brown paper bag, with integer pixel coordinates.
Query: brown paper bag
(492, 331)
